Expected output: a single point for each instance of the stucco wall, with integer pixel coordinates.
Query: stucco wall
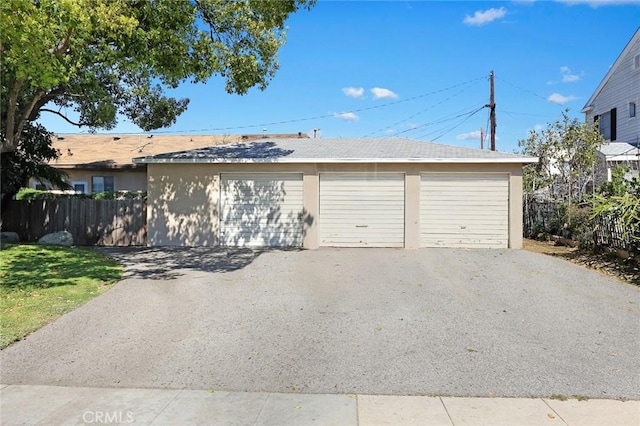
(183, 198)
(124, 180)
(182, 206)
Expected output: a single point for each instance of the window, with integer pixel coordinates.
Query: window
(632, 109)
(79, 186)
(607, 124)
(636, 62)
(102, 183)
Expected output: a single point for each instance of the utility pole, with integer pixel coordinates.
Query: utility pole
(481, 138)
(492, 108)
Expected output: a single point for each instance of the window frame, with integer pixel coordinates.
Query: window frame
(84, 183)
(104, 184)
(40, 186)
(608, 124)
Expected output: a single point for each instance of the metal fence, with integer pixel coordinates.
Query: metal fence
(91, 222)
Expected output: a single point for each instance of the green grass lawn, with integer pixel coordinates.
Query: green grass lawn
(40, 283)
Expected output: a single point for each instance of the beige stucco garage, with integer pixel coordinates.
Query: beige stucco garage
(382, 192)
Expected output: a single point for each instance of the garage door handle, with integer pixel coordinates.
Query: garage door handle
(362, 226)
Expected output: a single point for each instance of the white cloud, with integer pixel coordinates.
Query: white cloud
(480, 18)
(382, 93)
(598, 3)
(390, 131)
(469, 136)
(567, 76)
(347, 116)
(353, 92)
(475, 135)
(557, 98)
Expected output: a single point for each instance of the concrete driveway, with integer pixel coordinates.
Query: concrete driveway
(368, 321)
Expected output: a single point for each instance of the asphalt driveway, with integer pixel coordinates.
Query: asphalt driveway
(368, 321)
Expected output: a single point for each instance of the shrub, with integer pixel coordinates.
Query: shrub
(572, 221)
(36, 194)
(120, 195)
(30, 194)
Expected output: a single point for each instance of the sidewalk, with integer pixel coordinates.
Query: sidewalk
(54, 405)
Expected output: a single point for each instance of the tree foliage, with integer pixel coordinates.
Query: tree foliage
(102, 58)
(29, 159)
(567, 152)
(619, 200)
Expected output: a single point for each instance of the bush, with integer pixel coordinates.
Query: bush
(120, 195)
(572, 221)
(36, 194)
(29, 194)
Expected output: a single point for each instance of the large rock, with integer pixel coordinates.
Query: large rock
(9, 238)
(62, 238)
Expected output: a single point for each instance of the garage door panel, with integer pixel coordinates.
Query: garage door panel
(464, 210)
(355, 218)
(470, 222)
(475, 195)
(359, 209)
(261, 209)
(468, 243)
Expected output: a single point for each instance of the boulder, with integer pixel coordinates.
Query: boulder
(9, 238)
(62, 238)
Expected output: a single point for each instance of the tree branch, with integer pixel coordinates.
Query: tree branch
(25, 112)
(62, 45)
(11, 141)
(62, 116)
(44, 100)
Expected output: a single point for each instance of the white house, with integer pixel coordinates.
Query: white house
(613, 154)
(614, 104)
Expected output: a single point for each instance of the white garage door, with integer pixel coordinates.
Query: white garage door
(464, 210)
(362, 210)
(261, 209)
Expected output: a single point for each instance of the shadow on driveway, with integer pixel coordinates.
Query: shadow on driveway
(502, 323)
(163, 263)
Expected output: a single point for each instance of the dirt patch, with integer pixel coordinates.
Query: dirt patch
(606, 263)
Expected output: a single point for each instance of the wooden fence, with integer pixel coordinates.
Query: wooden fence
(609, 232)
(91, 222)
(539, 216)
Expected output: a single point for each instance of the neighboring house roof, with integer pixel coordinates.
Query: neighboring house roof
(347, 150)
(618, 148)
(117, 151)
(635, 39)
(619, 151)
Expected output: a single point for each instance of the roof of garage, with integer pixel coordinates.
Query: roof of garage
(344, 150)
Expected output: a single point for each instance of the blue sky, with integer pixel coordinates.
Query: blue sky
(420, 70)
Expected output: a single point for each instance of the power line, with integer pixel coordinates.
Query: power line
(459, 113)
(317, 117)
(523, 113)
(419, 112)
(457, 125)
